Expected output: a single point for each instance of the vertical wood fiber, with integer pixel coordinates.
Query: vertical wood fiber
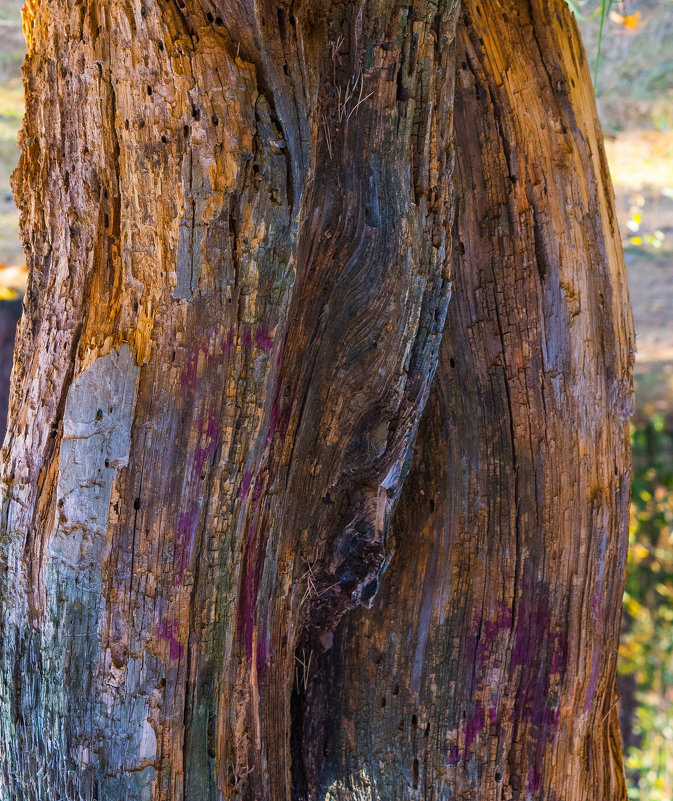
(486, 667)
(237, 223)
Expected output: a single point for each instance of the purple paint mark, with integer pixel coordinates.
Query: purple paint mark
(453, 757)
(264, 339)
(474, 725)
(531, 630)
(257, 490)
(245, 485)
(228, 342)
(246, 337)
(280, 418)
(253, 566)
(537, 656)
(534, 779)
(203, 455)
(167, 632)
(188, 375)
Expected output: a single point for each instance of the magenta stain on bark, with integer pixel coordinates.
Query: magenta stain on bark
(453, 757)
(252, 574)
(279, 420)
(245, 485)
(264, 339)
(188, 375)
(209, 440)
(474, 725)
(538, 655)
(534, 779)
(229, 339)
(503, 623)
(246, 337)
(189, 372)
(168, 632)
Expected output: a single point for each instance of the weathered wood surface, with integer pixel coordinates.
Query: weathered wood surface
(237, 217)
(486, 667)
(237, 220)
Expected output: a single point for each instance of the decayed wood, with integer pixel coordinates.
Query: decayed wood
(486, 667)
(237, 223)
(237, 217)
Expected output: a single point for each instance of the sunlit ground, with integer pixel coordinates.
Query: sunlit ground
(635, 98)
(12, 271)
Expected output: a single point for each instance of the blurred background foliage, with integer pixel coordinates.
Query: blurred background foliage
(634, 90)
(646, 663)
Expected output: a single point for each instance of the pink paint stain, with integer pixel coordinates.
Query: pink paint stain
(245, 485)
(474, 725)
(279, 420)
(453, 757)
(203, 454)
(167, 632)
(188, 375)
(247, 612)
(228, 342)
(264, 339)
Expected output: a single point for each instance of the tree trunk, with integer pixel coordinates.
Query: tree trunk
(238, 223)
(486, 667)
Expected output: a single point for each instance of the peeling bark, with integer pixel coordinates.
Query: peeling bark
(238, 224)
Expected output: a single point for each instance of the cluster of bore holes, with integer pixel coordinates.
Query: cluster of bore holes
(217, 20)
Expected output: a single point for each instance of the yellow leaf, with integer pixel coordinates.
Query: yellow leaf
(629, 21)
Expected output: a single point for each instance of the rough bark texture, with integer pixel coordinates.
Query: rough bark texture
(238, 223)
(486, 667)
